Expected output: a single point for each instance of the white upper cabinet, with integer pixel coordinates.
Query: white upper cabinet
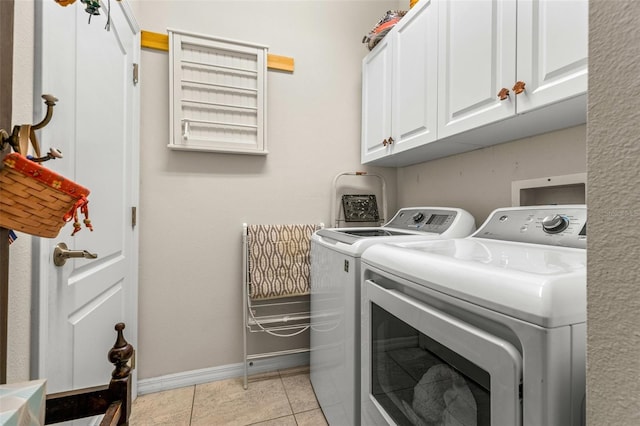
(399, 92)
(415, 84)
(463, 73)
(477, 58)
(376, 102)
(552, 51)
(500, 58)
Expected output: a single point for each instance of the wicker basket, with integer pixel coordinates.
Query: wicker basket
(36, 200)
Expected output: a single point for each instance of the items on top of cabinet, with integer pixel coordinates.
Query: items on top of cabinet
(218, 99)
(384, 25)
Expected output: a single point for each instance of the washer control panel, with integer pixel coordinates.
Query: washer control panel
(551, 225)
(421, 219)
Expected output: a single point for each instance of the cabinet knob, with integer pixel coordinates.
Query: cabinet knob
(385, 143)
(519, 87)
(503, 94)
(390, 140)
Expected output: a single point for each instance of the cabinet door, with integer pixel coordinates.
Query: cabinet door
(376, 102)
(415, 89)
(477, 58)
(552, 51)
(218, 94)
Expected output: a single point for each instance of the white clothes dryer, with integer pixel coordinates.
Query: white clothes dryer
(335, 299)
(484, 330)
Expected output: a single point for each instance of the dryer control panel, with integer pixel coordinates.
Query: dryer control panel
(564, 226)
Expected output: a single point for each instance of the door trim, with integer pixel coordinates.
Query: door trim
(6, 104)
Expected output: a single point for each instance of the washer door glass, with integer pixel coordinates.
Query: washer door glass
(418, 381)
(423, 366)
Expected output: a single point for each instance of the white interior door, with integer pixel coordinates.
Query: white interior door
(95, 125)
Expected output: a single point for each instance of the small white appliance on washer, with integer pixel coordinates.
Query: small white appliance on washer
(335, 299)
(484, 330)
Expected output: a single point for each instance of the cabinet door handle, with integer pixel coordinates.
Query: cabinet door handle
(385, 143)
(390, 140)
(519, 87)
(503, 94)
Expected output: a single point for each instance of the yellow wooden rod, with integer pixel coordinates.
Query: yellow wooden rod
(281, 63)
(157, 41)
(154, 40)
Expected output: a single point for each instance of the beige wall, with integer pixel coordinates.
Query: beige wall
(193, 204)
(480, 181)
(613, 289)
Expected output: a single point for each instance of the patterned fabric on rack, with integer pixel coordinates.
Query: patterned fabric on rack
(279, 264)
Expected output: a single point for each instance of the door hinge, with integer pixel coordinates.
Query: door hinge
(135, 73)
(134, 216)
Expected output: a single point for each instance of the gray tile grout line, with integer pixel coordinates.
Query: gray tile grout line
(288, 399)
(262, 421)
(193, 403)
(304, 411)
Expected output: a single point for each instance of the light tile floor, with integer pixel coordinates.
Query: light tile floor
(282, 398)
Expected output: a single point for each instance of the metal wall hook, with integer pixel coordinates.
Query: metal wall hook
(50, 101)
(51, 155)
(14, 139)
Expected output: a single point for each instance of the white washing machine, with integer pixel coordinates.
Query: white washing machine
(335, 299)
(484, 330)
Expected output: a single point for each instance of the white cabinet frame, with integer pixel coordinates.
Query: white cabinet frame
(218, 94)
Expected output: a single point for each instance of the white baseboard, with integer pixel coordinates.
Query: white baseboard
(223, 372)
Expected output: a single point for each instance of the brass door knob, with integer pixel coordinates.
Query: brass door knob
(385, 143)
(519, 87)
(390, 140)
